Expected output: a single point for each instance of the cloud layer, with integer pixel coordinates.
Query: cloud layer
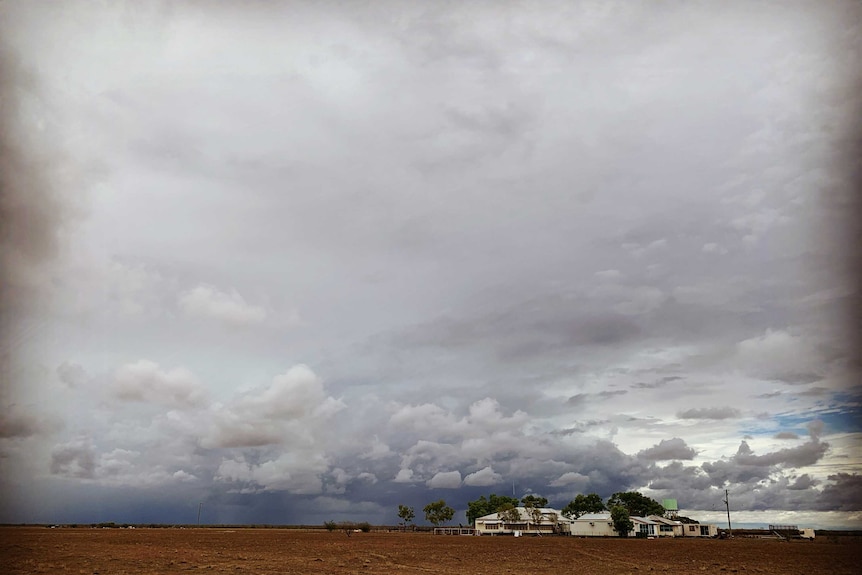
(304, 261)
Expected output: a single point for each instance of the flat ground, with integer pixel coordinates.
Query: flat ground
(38, 550)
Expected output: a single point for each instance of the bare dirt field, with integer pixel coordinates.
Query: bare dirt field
(39, 550)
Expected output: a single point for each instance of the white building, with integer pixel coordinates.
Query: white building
(592, 525)
(806, 533)
(601, 525)
(700, 530)
(668, 527)
(644, 527)
(550, 521)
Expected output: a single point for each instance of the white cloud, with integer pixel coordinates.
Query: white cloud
(184, 476)
(300, 474)
(713, 248)
(445, 480)
(484, 477)
(378, 450)
(293, 410)
(781, 354)
(609, 274)
(231, 308)
(404, 476)
(145, 381)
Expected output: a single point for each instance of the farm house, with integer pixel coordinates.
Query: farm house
(644, 527)
(700, 530)
(600, 525)
(667, 527)
(551, 522)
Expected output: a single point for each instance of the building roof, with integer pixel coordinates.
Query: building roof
(594, 517)
(636, 519)
(547, 513)
(664, 520)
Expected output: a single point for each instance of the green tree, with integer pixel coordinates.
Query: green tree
(635, 503)
(509, 513)
(438, 512)
(534, 501)
(620, 518)
(582, 504)
(486, 506)
(406, 515)
(533, 506)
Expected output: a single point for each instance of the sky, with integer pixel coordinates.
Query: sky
(290, 262)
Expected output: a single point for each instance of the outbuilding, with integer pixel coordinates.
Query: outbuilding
(700, 530)
(668, 527)
(592, 525)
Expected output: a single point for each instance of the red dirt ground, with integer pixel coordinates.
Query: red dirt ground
(39, 550)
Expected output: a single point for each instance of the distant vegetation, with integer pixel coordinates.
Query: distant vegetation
(438, 512)
(347, 527)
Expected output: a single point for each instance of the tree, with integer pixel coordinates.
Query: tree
(533, 506)
(509, 513)
(534, 501)
(635, 503)
(582, 504)
(406, 515)
(438, 512)
(348, 527)
(486, 506)
(620, 518)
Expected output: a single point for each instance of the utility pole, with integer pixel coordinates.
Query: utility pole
(199, 511)
(727, 505)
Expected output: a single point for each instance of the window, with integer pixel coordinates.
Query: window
(692, 527)
(490, 526)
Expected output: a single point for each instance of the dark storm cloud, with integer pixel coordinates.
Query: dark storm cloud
(581, 427)
(844, 493)
(661, 382)
(74, 459)
(746, 467)
(31, 209)
(18, 423)
(680, 478)
(806, 454)
(675, 448)
(804, 481)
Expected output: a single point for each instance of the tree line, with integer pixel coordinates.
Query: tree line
(621, 505)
